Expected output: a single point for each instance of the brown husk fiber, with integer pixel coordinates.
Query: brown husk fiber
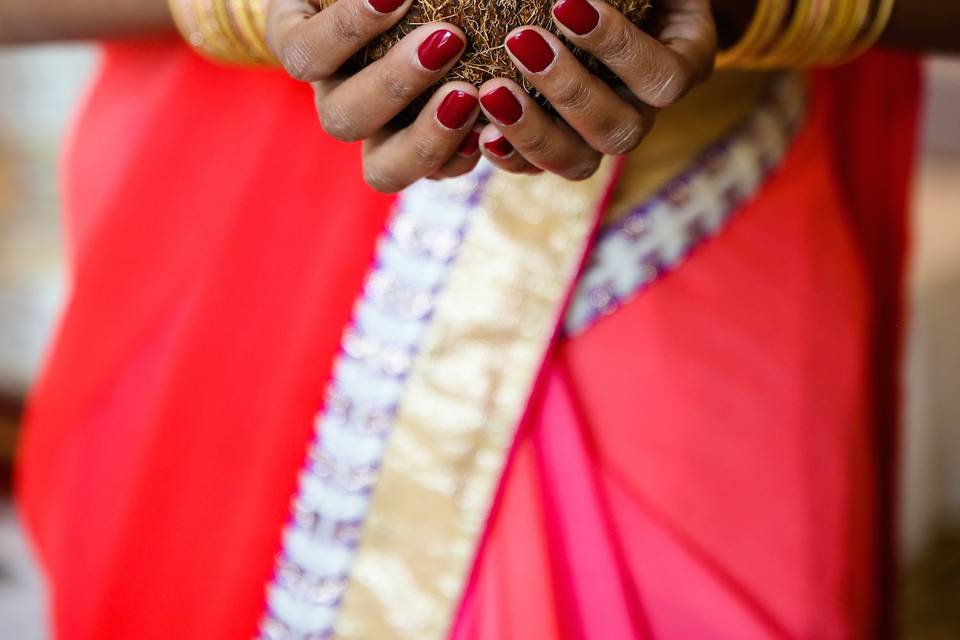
(487, 23)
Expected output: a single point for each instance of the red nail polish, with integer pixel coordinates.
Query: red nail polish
(579, 16)
(455, 109)
(385, 6)
(470, 144)
(531, 50)
(500, 147)
(439, 49)
(502, 105)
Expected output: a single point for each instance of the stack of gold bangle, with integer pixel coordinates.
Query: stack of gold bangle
(804, 33)
(782, 33)
(231, 31)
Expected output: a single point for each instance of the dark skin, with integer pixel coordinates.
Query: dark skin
(593, 120)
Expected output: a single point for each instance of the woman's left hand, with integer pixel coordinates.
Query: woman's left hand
(593, 118)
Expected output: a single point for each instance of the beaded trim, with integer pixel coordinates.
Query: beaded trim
(657, 236)
(377, 349)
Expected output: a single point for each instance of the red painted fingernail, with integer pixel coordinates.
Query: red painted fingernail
(470, 144)
(502, 105)
(385, 6)
(531, 49)
(456, 109)
(500, 147)
(439, 49)
(579, 16)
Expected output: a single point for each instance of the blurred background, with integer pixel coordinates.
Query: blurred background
(40, 86)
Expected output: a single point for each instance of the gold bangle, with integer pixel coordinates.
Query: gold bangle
(763, 29)
(873, 33)
(231, 31)
(835, 25)
(846, 23)
(789, 37)
(817, 26)
(809, 19)
(817, 32)
(220, 17)
(215, 42)
(854, 20)
(243, 22)
(252, 19)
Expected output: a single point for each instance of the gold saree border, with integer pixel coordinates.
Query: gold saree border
(466, 395)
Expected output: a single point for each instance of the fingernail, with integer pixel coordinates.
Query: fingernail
(439, 49)
(531, 50)
(455, 109)
(500, 147)
(579, 16)
(502, 105)
(385, 6)
(470, 144)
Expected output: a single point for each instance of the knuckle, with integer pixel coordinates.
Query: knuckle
(571, 95)
(622, 137)
(583, 170)
(535, 144)
(298, 57)
(428, 155)
(336, 121)
(347, 25)
(378, 180)
(670, 85)
(395, 86)
(618, 47)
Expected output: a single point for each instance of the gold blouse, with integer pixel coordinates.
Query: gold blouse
(685, 130)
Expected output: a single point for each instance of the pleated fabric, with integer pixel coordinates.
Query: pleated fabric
(714, 460)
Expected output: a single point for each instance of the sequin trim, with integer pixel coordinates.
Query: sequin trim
(377, 349)
(658, 235)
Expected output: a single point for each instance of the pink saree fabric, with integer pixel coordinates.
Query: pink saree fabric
(715, 459)
(709, 462)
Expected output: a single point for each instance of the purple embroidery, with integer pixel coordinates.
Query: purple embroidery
(658, 235)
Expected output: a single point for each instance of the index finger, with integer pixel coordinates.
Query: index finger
(312, 44)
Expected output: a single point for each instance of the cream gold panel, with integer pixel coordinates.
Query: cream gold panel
(466, 394)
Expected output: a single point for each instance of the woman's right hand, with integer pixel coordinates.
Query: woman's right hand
(312, 45)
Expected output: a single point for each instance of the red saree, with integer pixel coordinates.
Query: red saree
(711, 461)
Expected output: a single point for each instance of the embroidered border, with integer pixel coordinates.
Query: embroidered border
(377, 349)
(466, 394)
(656, 237)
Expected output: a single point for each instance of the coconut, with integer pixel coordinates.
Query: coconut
(486, 24)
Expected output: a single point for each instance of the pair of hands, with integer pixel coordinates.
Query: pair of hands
(444, 140)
